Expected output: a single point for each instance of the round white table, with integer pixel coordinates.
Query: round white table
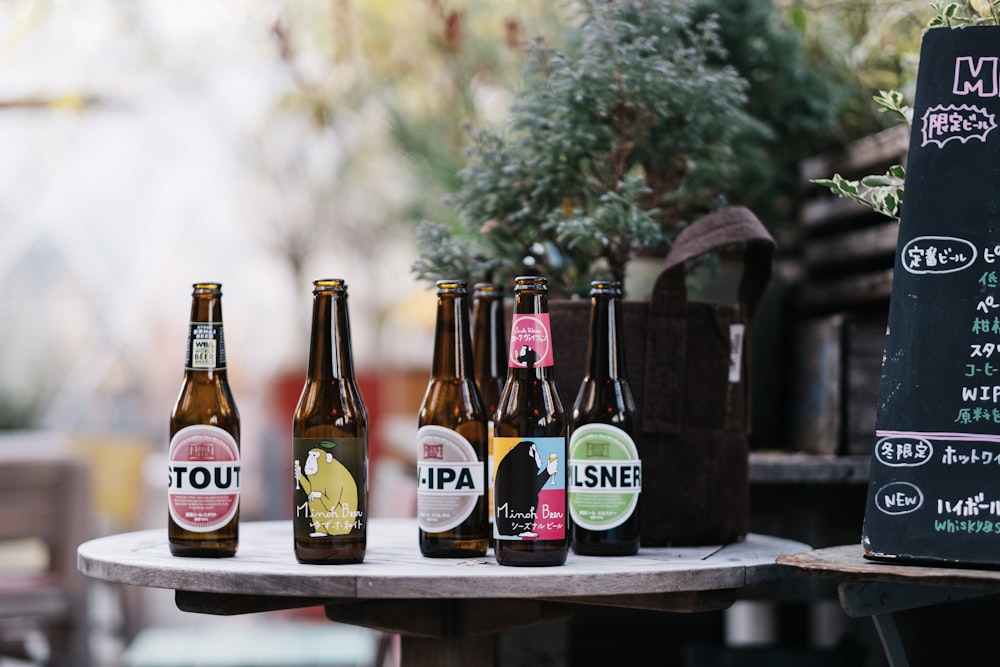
(445, 609)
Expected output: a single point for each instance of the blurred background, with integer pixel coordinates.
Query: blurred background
(149, 144)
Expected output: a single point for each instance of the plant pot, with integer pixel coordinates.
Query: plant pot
(688, 367)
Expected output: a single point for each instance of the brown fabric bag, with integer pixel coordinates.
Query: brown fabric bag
(694, 415)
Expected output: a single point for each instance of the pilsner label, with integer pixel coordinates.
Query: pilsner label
(203, 485)
(529, 489)
(450, 479)
(329, 486)
(605, 476)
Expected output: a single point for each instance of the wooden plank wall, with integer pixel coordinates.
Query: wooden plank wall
(840, 306)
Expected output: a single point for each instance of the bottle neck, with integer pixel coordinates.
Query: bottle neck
(452, 339)
(489, 353)
(206, 347)
(605, 355)
(530, 348)
(330, 344)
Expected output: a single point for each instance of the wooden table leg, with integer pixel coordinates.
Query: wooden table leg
(455, 632)
(448, 619)
(885, 626)
(879, 599)
(448, 651)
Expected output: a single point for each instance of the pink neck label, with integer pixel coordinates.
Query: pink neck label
(530, 341)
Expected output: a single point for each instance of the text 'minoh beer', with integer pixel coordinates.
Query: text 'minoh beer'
(604, 469)
(330, 441)
(452, 439)
(203, 487)
(529, 513)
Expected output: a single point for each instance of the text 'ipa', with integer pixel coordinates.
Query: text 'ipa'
(452, 439)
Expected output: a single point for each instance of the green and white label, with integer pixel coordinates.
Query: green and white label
(605, 476)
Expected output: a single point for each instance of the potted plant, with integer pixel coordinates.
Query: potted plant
(612, 149)
(614, 146)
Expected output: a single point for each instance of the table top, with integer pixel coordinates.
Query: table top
(394, 569)
(876, 588)
(847, 564)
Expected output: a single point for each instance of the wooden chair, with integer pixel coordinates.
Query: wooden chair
(44, 509)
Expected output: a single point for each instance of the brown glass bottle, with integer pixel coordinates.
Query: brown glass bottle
(605, 475)
(452, 439)
(330, 441)
(489, 357)
(529, 507)
(203, 488)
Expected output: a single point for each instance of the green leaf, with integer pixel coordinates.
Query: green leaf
(877, 181)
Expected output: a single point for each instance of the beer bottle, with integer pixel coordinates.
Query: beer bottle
(604, 468)
(529, 443)
(489, 356)
(452, 438)
(330, 441)
(203, 487)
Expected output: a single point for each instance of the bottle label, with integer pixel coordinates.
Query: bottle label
(530, 341)
(605, 476)
(206, 347)
(450, 479)
(736, 334)
(490, 468)
(529, 489)
(203, 485)
(330, 484)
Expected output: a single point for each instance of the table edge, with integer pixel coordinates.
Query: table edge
(848, 565)
(374, 581)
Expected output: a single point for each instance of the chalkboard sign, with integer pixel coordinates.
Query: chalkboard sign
(934, 491)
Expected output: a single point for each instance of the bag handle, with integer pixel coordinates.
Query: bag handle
(725, 227)
(666, 334)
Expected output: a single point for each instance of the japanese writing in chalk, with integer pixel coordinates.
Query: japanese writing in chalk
(940, 124)
(973, 505)
(985, 325)
(985, 321)
(938, 254)
(984, 350)
(976, 456)
(987, 369)
(978, 416)
(900, 451)
(987, 305)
